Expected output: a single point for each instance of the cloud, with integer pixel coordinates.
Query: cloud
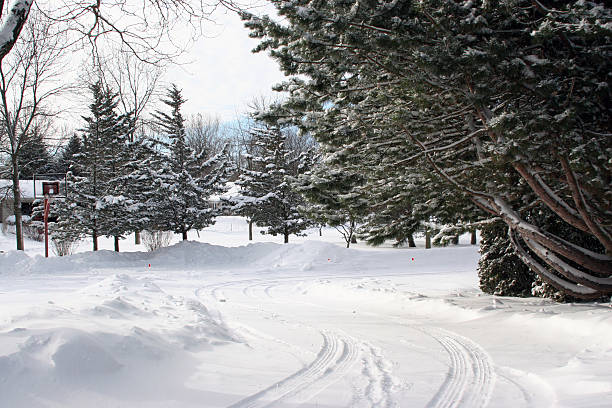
(224, 75)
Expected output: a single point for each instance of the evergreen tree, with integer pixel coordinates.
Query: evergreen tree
(115, 206)
(185, 180)
(68, 153)
(500, 271)
(96, 201)
(266, 194)
(140, 171)
(476, 93)
(34, 157)
(333, 196)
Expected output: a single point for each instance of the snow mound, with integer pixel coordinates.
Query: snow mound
(188, 255)
(79, 354)
(304, 256)
(15, 261)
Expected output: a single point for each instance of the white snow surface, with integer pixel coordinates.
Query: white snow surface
(218, 322)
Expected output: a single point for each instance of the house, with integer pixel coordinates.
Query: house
(30, 191)
(220, 201)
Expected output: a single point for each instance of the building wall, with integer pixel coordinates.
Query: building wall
(6, 207)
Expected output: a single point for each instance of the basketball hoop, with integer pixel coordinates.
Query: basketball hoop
(51, 186)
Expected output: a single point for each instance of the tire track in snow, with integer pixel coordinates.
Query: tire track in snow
(335, 359)
(536, 391)
(470, 379)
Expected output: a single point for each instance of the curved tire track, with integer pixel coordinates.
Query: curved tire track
(335, 359)
(536, 392)
(471, 377)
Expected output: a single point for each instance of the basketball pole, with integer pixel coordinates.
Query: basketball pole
(46, 219)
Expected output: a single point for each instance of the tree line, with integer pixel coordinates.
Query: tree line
(476, 114)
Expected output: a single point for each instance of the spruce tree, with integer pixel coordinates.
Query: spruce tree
(68, 153)
(476, 93)
(500, 271)
(96, 201)
(34, 157)
(185, 180)
(334, 196)
(266, 193)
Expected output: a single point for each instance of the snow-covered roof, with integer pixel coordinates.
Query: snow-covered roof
(26, 187)
(231, 190)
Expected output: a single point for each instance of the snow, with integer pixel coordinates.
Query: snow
(26, 187)
(217, 322)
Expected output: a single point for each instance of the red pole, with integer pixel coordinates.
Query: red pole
(46, 218)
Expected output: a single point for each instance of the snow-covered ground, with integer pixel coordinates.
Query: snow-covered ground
(218, 323)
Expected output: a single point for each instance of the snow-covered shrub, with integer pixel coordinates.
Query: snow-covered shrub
(153, 240)
(32, 229)
(500, 271)
(63, 247)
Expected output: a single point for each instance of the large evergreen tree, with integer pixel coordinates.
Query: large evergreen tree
(185, 180)
(34, 154)
(96, 204)
(469, 94)
(67, 156)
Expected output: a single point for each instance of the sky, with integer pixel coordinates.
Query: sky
(224, 75)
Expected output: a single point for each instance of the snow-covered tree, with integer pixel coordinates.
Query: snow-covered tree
(67, 155)
(500, 271)
(185, 180)
(334, 196)
(476, 93)
(34, 156)
(266, 195)
(96, 199)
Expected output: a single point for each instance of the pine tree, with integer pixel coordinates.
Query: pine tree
(96, 202)
(34, 155)
(333, 196)
(185, 180)
(500, 271)
(475, 93)
(266, 193)
(68, 153)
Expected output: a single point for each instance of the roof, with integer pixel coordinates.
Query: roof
(26, 187)
(231, 190)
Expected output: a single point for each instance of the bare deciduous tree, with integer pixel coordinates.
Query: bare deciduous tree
(28, 77)
(203, 134)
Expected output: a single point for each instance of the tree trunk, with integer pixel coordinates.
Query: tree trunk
(184, 235)
(411, 243)
(137, 237)
(94, 237)
(250, 230)
(353, 239)
(473, 237)
(455, 240)
(17, 204)
(320, 231)
(427, 239)
(116, 244)
(286, 236)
